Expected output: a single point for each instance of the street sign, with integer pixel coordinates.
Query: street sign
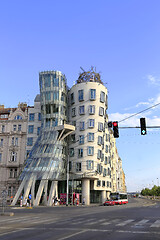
(30, 196)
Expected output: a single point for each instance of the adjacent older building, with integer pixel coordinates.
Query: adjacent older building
(13, 129)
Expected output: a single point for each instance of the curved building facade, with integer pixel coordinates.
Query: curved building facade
(46, 162)
(89, 145)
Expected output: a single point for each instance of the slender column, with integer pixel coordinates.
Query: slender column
(86, 191)
(108, 195)
(45, 194)
(53, 192)
(39, 193)
(103, 194)
(33, 190)
(18, 192)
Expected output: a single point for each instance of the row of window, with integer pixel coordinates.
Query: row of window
(103, 183)
(54, 95)
(13, 173)
(91, 110)
(92, 96)
(31, 117)
(91, 124)
(90, 166)
(51, 79)
(31, 129)
(13, 157)
(90, 138)
(90, 152)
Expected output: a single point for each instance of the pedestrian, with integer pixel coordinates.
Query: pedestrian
(53, 201)
(83, 203)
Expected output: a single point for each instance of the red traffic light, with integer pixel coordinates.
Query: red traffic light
(115, 124)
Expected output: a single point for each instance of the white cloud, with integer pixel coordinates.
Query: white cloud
(153, 80)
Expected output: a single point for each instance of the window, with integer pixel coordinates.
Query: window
(81, 110)
(31, 117)
(101, 111)
(15, 173)
(1, 142)
(55, 82)
(55, 95)
(73, 138)
(29, 141)
(11, 173)
(103, 183)
(30, 128)
(107, 137)
(108, 183)
(38, 130)
(12, 140)
(106, 148)
(0, 157)
(102, 97)
(91, 109)
(48, 96)
(70, 166)
(47, 81)
(100, 127)
(80, 95)
(18, 117)
(9, 191)
(91, 123)
(80, 152)
(98, 183)
(39, 116)
(3, 128)
(72, 98)
(78, 167)
(102, 157)
(100, 140)
(54, 122)
(19, 127)
(99, 154)
(13, 157)
(82, 126)
(14, 128)
(16, 141)
(71, 152)
(92, 94)
(74, 123)
(90, 137)
(90, 151)
(106, 102)
(90, 165)
(73, 112)
(81, 139)
(105, 162)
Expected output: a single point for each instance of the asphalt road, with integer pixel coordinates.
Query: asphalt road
(139, 219)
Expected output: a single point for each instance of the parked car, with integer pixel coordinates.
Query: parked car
(109, 203)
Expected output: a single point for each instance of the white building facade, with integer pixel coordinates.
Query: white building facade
(89, 147)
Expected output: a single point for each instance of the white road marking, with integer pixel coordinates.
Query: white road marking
(83, 221)
(142, 222)
(96, 222)
(125, 222)
(156, 224)
(72, 235)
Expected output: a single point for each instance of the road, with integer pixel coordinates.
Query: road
(139, 219)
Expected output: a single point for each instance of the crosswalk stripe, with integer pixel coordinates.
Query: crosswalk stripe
(156, 224)
(96, 222)
(140, 223)
(125, 222)
(83, 221)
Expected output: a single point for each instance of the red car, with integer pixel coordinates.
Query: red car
(109, 203)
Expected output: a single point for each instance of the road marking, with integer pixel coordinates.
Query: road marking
(83, 221)
(95, 222)
(72, 235)
(142, 222)
(156, 224)
(125, 222)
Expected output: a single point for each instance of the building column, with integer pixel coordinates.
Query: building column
(86, 191)
(108, 195)
(103, 194)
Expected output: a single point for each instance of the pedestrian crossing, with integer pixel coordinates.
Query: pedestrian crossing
(80, 221)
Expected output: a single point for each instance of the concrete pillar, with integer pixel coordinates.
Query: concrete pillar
(33, 191)
(39, 193)
(19, 192)
(103, 194)
(53, 192)
(108, 195)
(45, 194)
(86, 191)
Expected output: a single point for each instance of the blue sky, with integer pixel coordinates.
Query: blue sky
(119, 37)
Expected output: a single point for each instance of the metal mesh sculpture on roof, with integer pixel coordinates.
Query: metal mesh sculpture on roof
(89, 76)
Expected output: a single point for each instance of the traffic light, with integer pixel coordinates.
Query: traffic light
(115, 129)
(110, 124)
(143, 126)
